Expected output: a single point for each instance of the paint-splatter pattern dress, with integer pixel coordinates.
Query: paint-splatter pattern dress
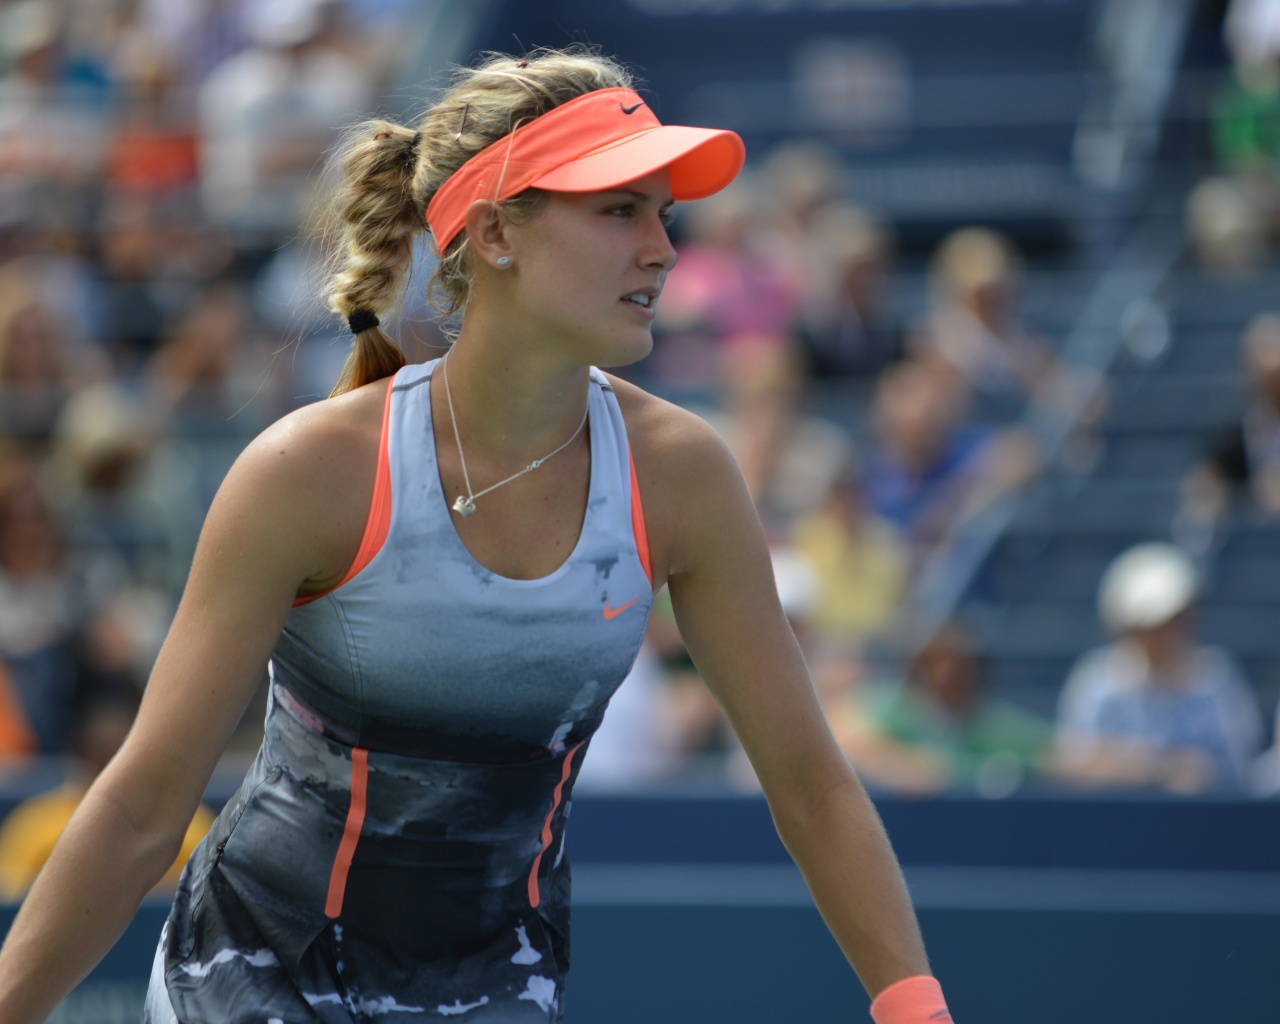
(396, 852)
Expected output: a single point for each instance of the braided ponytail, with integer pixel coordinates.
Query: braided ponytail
(373, 222)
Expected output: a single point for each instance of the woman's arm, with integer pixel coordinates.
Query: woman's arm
(722, 587)
(272, 526)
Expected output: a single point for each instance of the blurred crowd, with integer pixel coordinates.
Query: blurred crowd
(871, 436)
(156, 157)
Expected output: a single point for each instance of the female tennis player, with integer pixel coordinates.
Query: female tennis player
(448, 568)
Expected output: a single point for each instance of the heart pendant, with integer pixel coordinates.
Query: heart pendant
(464, 506)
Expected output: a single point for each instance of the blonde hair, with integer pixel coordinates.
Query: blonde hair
(971, 259)
(390, 172)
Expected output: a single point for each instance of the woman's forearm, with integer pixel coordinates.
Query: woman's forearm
(101, 868)
(841, 848)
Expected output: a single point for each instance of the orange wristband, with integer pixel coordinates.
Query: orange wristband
(915, 1000)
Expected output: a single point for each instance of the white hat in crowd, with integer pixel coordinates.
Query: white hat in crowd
(1146, 586)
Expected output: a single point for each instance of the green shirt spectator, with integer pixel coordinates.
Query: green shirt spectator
(937, 729)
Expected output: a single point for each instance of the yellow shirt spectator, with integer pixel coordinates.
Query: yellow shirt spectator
(29, 832)
(861, 565)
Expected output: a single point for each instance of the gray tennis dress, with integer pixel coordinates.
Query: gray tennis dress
(396, 852)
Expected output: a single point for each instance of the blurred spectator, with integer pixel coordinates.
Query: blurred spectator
(51, 262)
(732, 287)
(101, 458)
(695, 727)
(974, 326)
(194, 36)
(860, 564)
(1227, 224)
(1246, 123)
(1233, 216)
(800, 184)
(35, 380)
(18, 742)
(152, 149)
(927, 470)
(91, 35)
(1243, 459)
(639, 743)
(209, 370)
(51, 125)
(119, 646)
(1252, 27)
(133, 251)
(1155, 708)
(788, 458)
(938, 728)
(844, 326)
(804, 177)
(30, 829)
(47, 590)
(211, 389)
(268, 114)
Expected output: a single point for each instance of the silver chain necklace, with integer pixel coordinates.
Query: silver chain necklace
(465, 505)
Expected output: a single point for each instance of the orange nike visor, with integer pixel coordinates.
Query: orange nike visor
(596, 141)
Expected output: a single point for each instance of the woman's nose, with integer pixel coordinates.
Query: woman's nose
(659, 252)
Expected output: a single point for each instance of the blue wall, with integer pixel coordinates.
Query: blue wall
(1057, 910)
(944, 110)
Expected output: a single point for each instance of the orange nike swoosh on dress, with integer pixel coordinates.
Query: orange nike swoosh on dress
(613, 613)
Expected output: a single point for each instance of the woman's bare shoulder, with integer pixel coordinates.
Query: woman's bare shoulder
(306, 482)
(323, 442)
(687, 476)
(659, 430)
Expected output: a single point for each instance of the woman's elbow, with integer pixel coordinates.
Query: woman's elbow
(800, 801)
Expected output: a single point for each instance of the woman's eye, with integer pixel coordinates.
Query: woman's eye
(622, 211)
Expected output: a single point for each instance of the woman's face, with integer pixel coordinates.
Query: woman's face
(29, 536)
(29, 353)
(588, 268)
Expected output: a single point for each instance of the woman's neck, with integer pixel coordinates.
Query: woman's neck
(513, 400)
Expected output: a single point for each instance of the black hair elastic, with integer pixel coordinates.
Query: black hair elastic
(361, 320)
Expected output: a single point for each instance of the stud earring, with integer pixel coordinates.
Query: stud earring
(504, 261)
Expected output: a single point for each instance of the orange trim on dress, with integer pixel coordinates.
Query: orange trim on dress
(637, 520)
(378, 524)
(350, 833)
(535, 896)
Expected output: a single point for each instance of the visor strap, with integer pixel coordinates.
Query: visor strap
(506, 159)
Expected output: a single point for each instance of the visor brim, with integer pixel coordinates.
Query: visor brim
(702, 162)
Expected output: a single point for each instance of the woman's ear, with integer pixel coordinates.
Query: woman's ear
(486, 227)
